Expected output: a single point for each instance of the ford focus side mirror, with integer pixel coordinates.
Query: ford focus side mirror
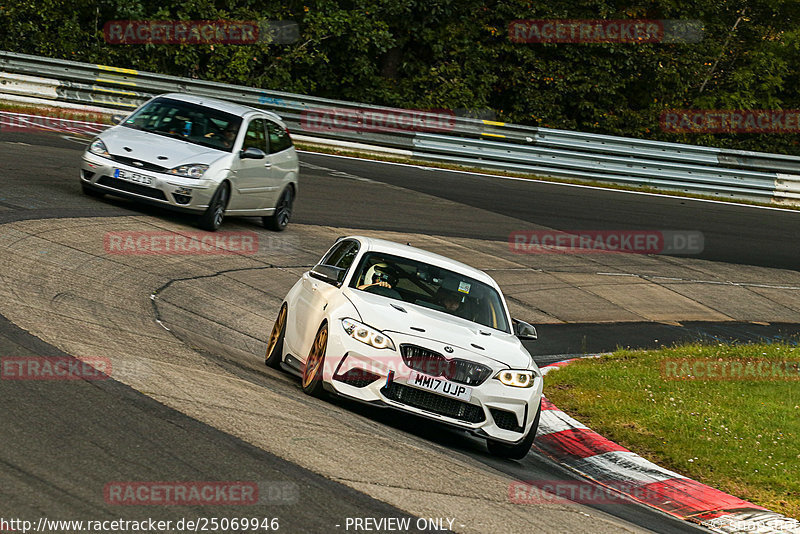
(252, 153)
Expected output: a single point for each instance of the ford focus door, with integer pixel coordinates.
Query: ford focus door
(253, 187)
(283, 157)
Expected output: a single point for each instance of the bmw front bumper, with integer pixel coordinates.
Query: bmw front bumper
(356, 370)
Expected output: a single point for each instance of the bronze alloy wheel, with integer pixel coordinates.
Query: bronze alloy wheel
(312, 371)
(275, 344)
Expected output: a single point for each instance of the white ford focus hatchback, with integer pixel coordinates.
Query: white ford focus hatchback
(197, 155)
(399, 327)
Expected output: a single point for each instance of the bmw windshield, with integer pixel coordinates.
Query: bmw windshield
(432, 287)
(195, 124)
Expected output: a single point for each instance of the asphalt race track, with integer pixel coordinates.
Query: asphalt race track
(195, 402)
(734, 233)
(62, 442)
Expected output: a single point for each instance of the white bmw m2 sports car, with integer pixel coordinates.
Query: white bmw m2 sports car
(399, 327)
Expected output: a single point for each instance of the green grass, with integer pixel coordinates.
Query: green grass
(741, 437)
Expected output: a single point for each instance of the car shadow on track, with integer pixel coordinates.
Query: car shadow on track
(534, 467)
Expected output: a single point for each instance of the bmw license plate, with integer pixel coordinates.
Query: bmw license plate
(439, 385)
(136, 178)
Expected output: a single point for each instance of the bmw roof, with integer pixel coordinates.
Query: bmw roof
(407, 251)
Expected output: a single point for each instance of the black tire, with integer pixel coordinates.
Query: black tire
(90, 191)
(279, 220)
(212, 218)
(520, 450)
(315, 364)
(275, 342)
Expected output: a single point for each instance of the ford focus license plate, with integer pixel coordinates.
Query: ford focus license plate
(136, 178)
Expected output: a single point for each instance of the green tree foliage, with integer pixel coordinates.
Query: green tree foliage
(458, 54)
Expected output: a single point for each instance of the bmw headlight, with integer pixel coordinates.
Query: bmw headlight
(515, 378)
(367, 334)
(193, 170)
(98, 148)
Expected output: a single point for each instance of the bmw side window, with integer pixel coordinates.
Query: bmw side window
(348, 256)
(342, 255)
(255, 137)
(278, 138)
(333, 252)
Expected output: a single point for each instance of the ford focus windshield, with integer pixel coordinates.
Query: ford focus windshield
(431, 287)
(188, 122)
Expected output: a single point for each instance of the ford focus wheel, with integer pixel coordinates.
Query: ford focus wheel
(279, 220)
(212, 218)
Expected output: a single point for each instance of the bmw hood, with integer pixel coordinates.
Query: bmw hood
(156, 149)
(409, 319)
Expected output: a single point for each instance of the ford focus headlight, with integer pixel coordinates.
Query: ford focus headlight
(367, 334)
(517, 379)
(193, 170)
(98, 148)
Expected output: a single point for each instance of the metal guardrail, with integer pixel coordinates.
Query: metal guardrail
(478, 143)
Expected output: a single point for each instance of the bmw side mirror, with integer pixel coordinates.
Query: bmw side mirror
(252, 153)
(524, 331)
(117, 118)
(329, 274)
